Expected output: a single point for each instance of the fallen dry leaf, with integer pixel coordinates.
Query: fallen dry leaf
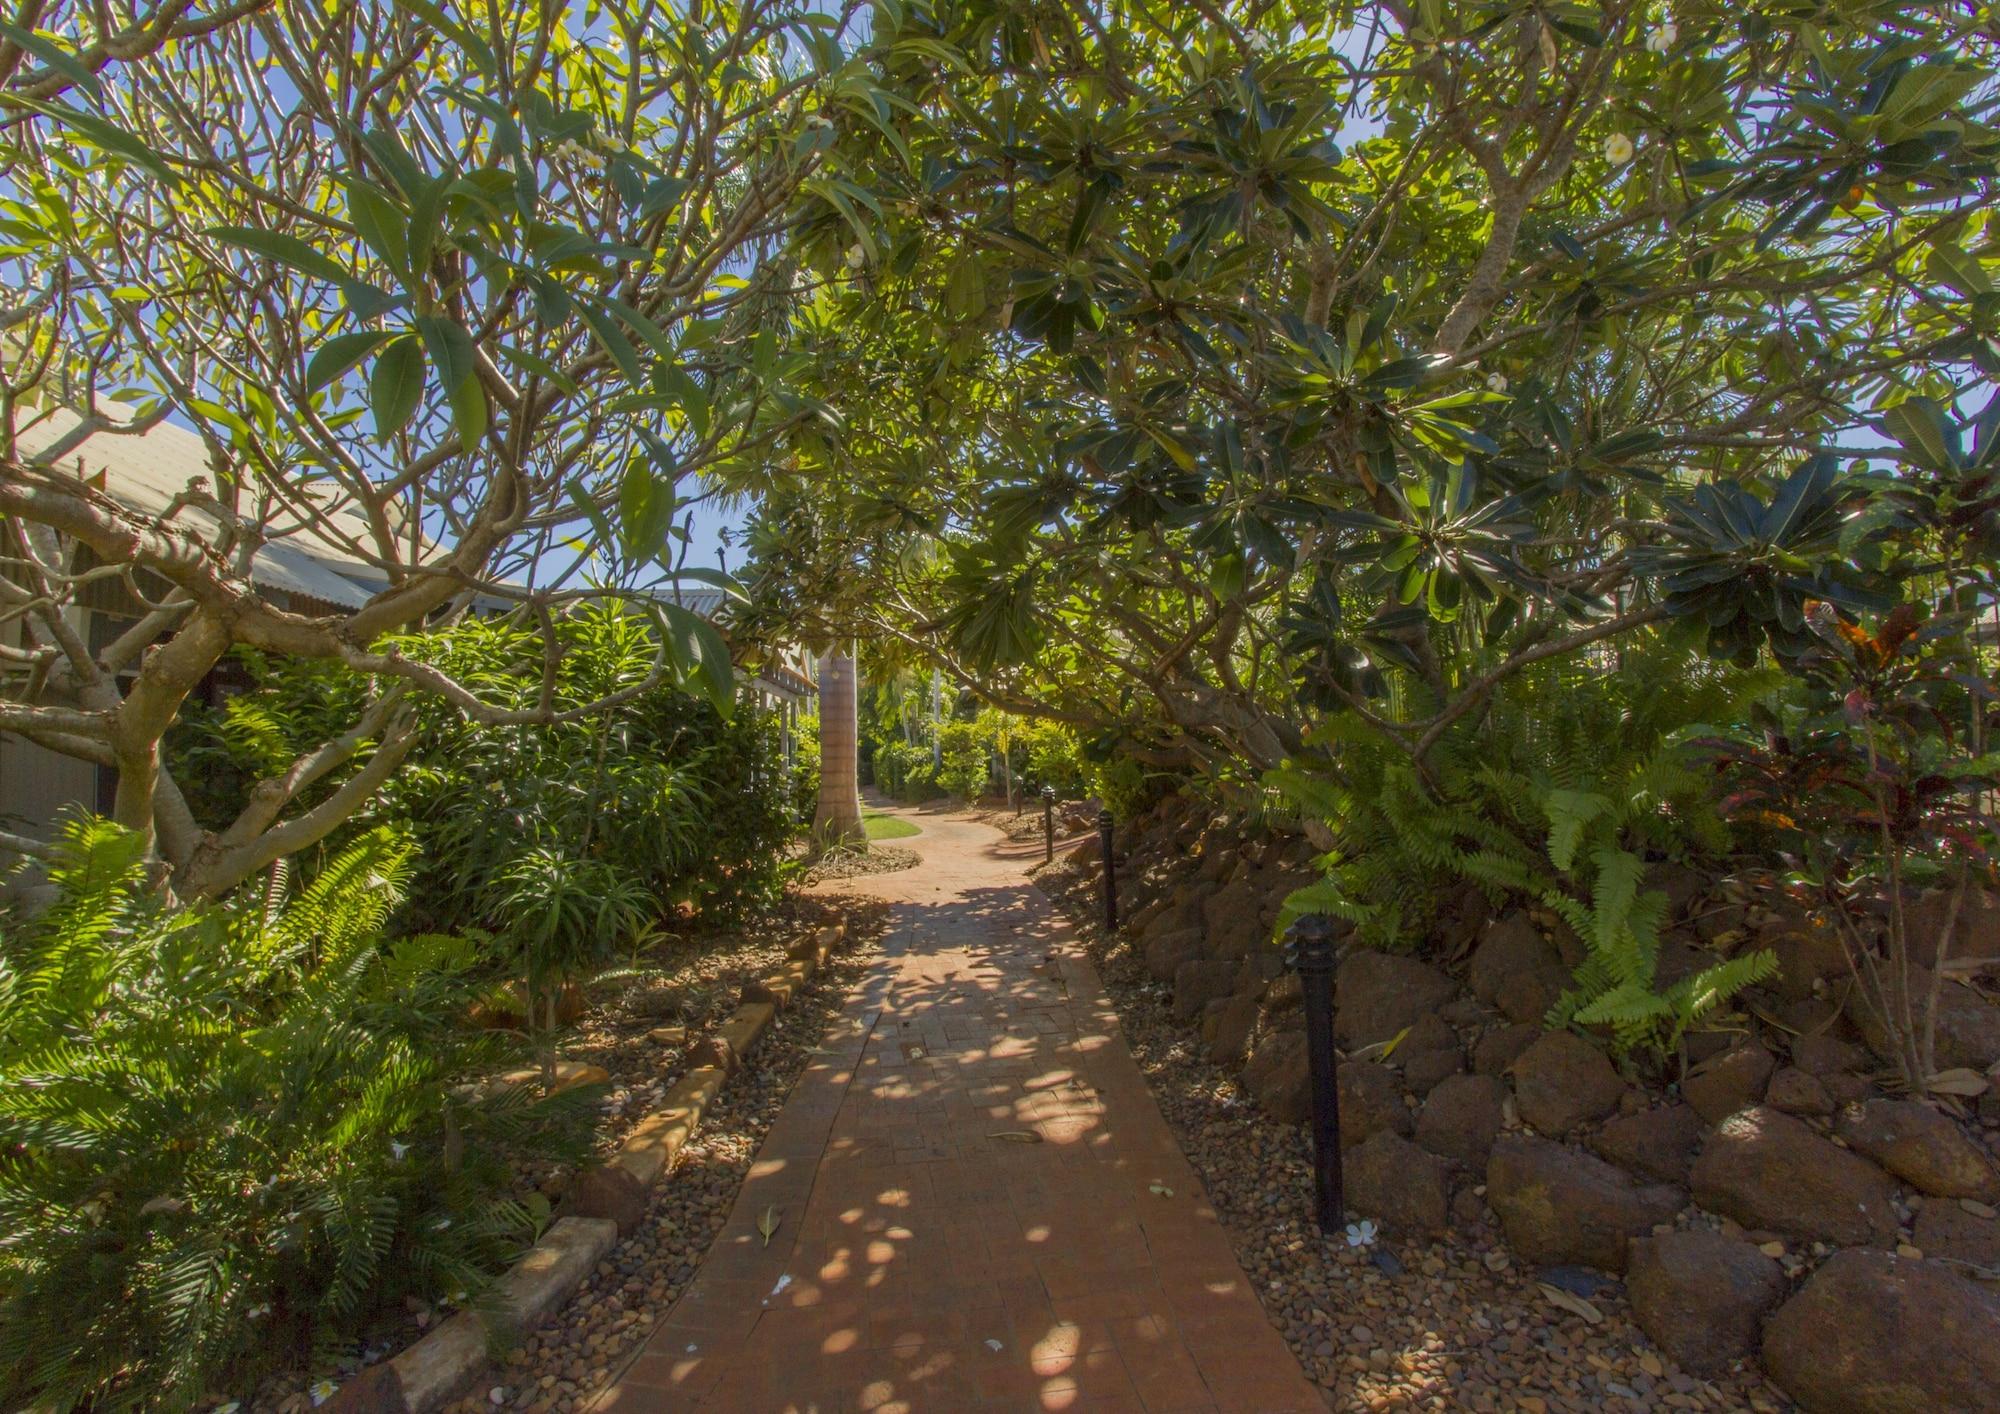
(1575, 1305)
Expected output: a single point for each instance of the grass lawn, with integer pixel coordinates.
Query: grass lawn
(886, 827)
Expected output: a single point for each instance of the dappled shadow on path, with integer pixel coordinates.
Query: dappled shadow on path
(976, 1204)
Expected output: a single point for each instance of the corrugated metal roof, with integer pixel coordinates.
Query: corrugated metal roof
(148, 470)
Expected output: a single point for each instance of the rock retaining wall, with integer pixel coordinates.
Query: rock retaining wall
(1774, 1200)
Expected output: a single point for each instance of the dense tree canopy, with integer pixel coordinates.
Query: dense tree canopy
(444, 290)
(1203, 367)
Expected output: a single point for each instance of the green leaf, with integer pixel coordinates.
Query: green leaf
(435, 18)
(714, 579)
(536, 365)
(580, 496)
(286, 250)
(1919, 425)
(396, 385)
(108, 136)
(340, 353)
(380, 223)
(56, 57)
(469, 410)
(698, 645)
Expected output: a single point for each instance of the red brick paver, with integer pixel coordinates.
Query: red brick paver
(978, 1205)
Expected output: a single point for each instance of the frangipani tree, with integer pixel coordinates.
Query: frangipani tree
(445, 287)
(1210, 367)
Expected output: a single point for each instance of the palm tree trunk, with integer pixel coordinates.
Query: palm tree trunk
(837, 818)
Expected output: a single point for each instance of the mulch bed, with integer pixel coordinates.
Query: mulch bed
(1392, 1324)
(859, 863)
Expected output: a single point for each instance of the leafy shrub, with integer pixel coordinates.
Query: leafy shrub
(228, 1134)
(805, 767)
(1576, 778)
(1054, 759)
(1125, 787)
(1871, 790)
(905, 770)
(692, 808)
(967, 751)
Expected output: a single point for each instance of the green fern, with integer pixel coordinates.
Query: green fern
(1571, 780)
(228, 1132)
(1616, 987)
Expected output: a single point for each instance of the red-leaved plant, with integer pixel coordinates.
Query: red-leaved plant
(1875, 792)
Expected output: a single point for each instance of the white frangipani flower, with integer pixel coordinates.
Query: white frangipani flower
(856, 257)
(397, 1150)
(1361, 1234)
(1663, 38)
(1497, 382)
(1618, 149)
(322, 1392)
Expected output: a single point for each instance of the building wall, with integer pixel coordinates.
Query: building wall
(36, 784)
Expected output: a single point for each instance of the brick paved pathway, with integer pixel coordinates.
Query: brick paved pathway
(979, 1206)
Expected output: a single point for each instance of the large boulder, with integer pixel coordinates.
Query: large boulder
(1732, 1081)
(1422, 1070)
(1820, 1054)
(1682, 884)
(1199, 981)
(1949, 1231)
(1807, 952)
(1975, 934)
(1276, 1076)
(1165, 951)
(1462, 1117)
(1916, 1143)
(1559, 1206)
(1428, 1052)
(1232, 916)
(1501, 1046)
(1371, 1102)
(1380, 993)
(1392, 1179)
(1768, 1170)
(1701, 1296)
(1968, 1026)
(1658, 1143)
(1798, 1092)
(1226, 1026)
(1517, 970)
(1562, 1081)
(1876, 1334)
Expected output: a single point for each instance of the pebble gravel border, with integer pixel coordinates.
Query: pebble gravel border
(1385, 1323)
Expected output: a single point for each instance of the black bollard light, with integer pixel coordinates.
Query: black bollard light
(1309, 951)
(1048, 823)
(1110, 872)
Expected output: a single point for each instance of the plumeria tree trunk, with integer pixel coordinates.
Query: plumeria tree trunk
(837, 819)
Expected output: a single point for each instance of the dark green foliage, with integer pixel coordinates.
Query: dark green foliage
(670, 806)
(229, 1134)
(904, 769)
(1575, 778)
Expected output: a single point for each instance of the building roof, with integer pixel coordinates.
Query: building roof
(147, 470)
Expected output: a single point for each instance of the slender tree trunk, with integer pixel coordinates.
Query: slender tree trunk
(837, 819)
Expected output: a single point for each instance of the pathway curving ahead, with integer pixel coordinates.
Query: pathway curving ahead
(978, 1206)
